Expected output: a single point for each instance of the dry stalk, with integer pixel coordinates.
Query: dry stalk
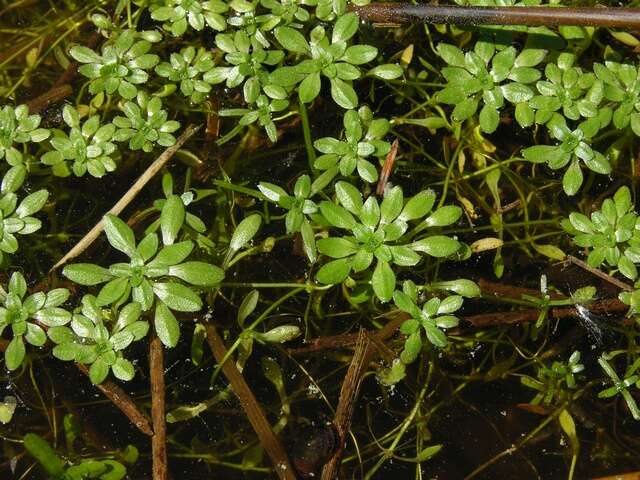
(120, 205)
(159, 439)
(252, 408)
(346, 404)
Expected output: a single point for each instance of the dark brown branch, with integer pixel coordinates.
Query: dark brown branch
(398, 13)
(348, 339)
(606, 306)
(514, 317)
(123, 401)
(252, 408)
(54, 95)
(346, 404)
(159, 439)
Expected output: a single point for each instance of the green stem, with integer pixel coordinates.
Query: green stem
(306, 132)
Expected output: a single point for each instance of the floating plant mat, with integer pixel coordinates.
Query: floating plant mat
(311, 239)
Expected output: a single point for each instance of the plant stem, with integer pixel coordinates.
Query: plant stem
(306, 132)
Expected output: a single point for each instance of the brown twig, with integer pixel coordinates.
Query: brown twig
(348, 339)
(398, 13)
(605, 306)
(599, 273)
(159, 439)
(54, 95)
(148, 174)
(252, 408)
(500, 290)
(346, 404)
(123, 401)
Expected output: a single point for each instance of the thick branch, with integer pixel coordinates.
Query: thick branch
(398, 13)
(123, 401)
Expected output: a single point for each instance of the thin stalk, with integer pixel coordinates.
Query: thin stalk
(306, 132)
(405, 426)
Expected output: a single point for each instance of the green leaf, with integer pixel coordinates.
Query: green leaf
(451, 54)
(436, 246)
(412, 348)
(245, 231)
(13, 179)
(248, 305)
(171, 219)
(530, 57)
(309, 87)
(177, 296)
(462, 286)
(383, 281)
(14, 354)
(370, 214)
(335, 271)
(428, 452)
(98, 371)
(84, 55)
(418, 206)
(391, 205)
(119, 234)
(39, 449)
(359, 54)
(337, 247)
(343, 94)
(443, 216)
(572, 179)
(113, 291)
(271, 191)
(404, 256)
(622, 200)
(53, 316)
(345, 27)
(465, 109)
(308, 240)
(627, 268)
(197, 273)
(32, 203)
(489, 118)
(291, 39)
(166, 326)
(337, 215)
(550, 251)
(349, 197)
(7, 408)
(123, 369)
(539, 153)
(525, 116)
(86, 274)
(173, 254)
(388, 71)
(516, 92)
